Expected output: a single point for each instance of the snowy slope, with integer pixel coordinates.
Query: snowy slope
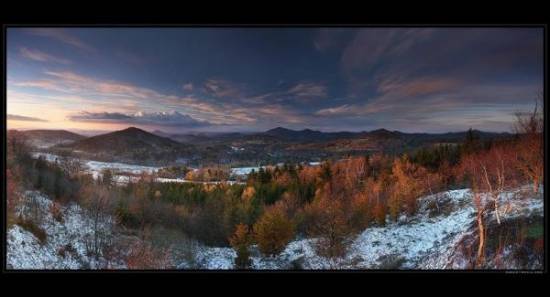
(427, 240)
(24, 251)
(430, 239)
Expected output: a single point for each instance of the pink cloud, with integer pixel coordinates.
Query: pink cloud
(37, 55)
(61, 35)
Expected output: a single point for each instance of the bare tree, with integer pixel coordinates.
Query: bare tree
(480, 208)
(531, 122)
(97, 203)
(470, 168)
(330, 224)
(530, 153)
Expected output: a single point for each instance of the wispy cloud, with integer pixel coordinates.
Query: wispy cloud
(345, 109)
(130, 57)
(223, 88)
(63, 36)
(70, 82)
(188, 87)
(437, 109)
(374, 45)
(419, 86)
(340, 78)
(308, 90)
(37, 55)
(170, 119)
(14, 117)
(299, 93)
(67, 82)
(378, 55)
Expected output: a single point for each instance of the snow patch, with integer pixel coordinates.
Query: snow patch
(426, 240)
(71, 235)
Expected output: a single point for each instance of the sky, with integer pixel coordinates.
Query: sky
(182, 80)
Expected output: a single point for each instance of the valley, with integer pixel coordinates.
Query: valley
(278, 145)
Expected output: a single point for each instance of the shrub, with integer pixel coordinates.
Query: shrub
(57, 214)
(360, 211)
(240, 240)
(331, 226)
(66, 249)
(273, 231)
(32, 227)
(142, 255)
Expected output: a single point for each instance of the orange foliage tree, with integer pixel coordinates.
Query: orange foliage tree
(330, 225)
(273, 231)
(240, 241)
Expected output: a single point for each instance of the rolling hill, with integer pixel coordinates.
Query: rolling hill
(276, 145)
(130, 145)
(48, 138)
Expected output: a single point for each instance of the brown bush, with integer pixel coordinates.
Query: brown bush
(55, 210)
(32, 227)
(66, 249)
(273, 231)
(361, 211)
(240, 241)
(142, 255)
(13, 198)
(331, 226)
(377, 191)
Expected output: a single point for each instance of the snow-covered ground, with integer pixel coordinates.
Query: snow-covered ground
(182, 180)
(66, 240)
(95, 167)
(242, 171)
(124, 173)
(237, 149)
(48, 157)
(120, 170)
(426, 240)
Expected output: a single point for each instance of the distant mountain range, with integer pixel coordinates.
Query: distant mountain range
(274, 145)
(48, 138)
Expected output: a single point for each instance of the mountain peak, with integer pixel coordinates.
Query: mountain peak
(133, 129)
(124, 142)
(381, 130)
(278, 129)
